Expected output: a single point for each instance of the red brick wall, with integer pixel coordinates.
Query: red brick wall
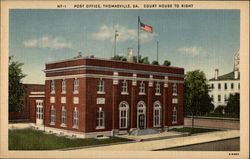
(69, 105)
(88, 96)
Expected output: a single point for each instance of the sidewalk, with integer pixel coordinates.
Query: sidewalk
(163, 135)
(19, 125)
(167, 143)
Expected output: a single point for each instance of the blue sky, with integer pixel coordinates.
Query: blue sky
(192, 39)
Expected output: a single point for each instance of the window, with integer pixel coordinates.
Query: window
(175, 100)
(212, 97)
(157, 114)
(76, 86)
(225, 86)
(64, 117)
(238, 86)
(142, 88)
(225, 97)
(123, 109)
(52, 115)
(100, 86)
(175, 89)
(100, 119)
(174, 115)
(219, 98)
(232, 86)
(63, 86)
(124, 87)
(212, 86)
(219, 86)
(39, 110)
(75, 118)
(157, 89)
(52, 86)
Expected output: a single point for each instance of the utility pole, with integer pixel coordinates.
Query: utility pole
(138, 53)
(116, 34)
(157, 52)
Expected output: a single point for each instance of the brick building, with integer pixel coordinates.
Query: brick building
(87, 97)
(32, 93)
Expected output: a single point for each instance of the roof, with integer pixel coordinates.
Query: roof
(228, 76)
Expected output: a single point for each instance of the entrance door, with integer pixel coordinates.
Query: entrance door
(141, 121)
(39, 112)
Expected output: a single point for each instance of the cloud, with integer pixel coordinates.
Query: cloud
(194, 51)
(124, 34)
(47, 42)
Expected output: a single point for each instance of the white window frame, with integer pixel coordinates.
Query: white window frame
(174, 115)
(75, 100)
(157, 89)
(123, 115)
(75, 118)
(142, 88)
(76, 86)
(175, 89)
(64, 86)
(157, 117)
(52, 115)
(52, 87)
(101, 87)
(124, 88)
(64, 117)
(100, 120)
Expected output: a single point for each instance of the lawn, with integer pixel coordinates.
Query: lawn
(195, 130)
(29, 139)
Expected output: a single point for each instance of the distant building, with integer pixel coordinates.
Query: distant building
(88, 97)
(32, 93)
(224, 85)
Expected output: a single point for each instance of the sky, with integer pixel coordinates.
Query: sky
(192, 39)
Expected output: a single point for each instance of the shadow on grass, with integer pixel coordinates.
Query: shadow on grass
(29, 139)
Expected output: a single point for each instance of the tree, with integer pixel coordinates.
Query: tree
(197, 100)
(119, 58)
(16, 88)
(155, 63)
(143, 60)
(233, 104)
(166, 63)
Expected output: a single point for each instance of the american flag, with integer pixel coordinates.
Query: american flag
(146, 28)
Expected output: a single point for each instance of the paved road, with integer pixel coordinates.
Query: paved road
(222, 145)
(213, 123)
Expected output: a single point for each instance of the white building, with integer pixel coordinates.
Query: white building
(224, 85)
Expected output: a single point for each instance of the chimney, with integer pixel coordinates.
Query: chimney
(130, 55)
(216, 74)
(236, 74)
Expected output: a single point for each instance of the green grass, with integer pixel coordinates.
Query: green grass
(29, 139)
(195, 130)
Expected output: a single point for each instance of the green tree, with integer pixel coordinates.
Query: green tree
(16, 88)
(233, 104)
(119, 58)
(143, 60)
(197, 100)
(166, 63)
(155, 63)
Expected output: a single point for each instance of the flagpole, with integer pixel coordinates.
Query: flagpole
(138, 53)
